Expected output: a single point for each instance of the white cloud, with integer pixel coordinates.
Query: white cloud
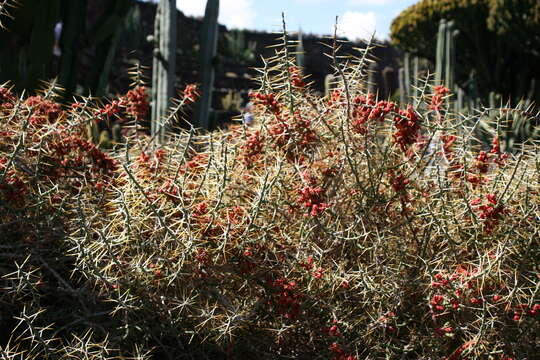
(232, 13)
(311, 2)
(370, 2)
(356, 25)
(191, 7)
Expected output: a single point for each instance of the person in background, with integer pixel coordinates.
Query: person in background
(248, 114)
(57, 51)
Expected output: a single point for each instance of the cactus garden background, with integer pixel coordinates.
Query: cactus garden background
(389, 209)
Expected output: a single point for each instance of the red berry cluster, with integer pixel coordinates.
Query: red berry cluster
(252, 148)
(235, 214)
(444, 330)
(407, 125)
(190, 94)
(71, 150)
(171, 190)
(464, 290)
(336, 348)
(367, 109)
(6, 99)
(136, 103)
(201, 218)
(293, 135)
(438, 97)
(296, 78)
(399, 184)
(304, 135)
(288, 298)
(43, 111)
(335, 98)
(524, 309)
(339, 352)
(279, 132)
(387, 321)
(309, 265)
(13, 188)
(110, 109)
(333, 330)
(197, 163)
(498, 157)
(146, 161)
(398, 181)
(246, 263)
(454, 290)
(268, 101)
(483, 161)
(311, 198)
(447, 145)
(456, 355)
(490, 211)
(202, 259)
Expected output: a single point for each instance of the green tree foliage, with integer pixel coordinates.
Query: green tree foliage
(499, 41)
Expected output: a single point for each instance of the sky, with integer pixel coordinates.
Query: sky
(357, 18)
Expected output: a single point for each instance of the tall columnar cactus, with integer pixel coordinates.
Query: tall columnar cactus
(440, 56)
(105, 38)
(164, 64)
(300, 56)
(72, 31)
(459, 104)
(450, 72)
(407, 75)
(408, 79)
(416, 74)
(388, 80)
(26, 47)
(208, 55)
(329, 84)
(402, 86)
(445, 69)
(372, 77)
(33, 38)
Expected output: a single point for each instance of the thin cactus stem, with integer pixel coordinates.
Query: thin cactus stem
(4, 10)
(208, 54)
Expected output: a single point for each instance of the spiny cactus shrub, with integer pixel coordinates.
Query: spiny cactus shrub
(5, 6)
(340, 227)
